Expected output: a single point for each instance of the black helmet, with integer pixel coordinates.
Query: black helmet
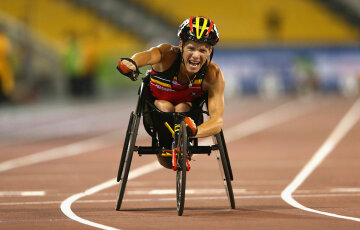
(200, 29)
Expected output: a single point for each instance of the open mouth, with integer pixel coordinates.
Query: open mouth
(194, 64)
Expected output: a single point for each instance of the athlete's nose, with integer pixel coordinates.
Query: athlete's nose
(196, 55)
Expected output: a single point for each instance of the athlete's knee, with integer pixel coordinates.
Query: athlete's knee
(164, 106)
(183, 107)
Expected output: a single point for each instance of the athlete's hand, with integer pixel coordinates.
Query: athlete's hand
(128, 67)
(191, 127)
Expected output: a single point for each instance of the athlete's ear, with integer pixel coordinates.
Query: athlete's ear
(210, 49)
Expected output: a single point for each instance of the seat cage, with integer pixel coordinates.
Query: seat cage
(145, 107)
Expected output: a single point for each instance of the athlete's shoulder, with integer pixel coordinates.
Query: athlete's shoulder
(213, 67)
(168, 56)
(214, 79)
(213, 73)
(168, 49)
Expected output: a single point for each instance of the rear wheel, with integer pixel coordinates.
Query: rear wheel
(127, 158)
(182, 145)
(224, 169)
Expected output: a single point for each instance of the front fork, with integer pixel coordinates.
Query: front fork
(175, 149)
(174, 160)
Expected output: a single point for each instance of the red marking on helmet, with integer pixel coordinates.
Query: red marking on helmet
(204, 17)
(210, 28)
(191, 25)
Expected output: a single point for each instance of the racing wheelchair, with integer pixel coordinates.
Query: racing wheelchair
(181, 146)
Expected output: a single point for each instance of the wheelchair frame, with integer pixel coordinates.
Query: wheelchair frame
(130, 140)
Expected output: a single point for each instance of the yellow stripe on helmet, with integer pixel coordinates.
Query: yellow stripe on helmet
(204, 26)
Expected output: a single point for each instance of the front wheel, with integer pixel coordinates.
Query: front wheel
(182, 146)
(127, 155)
(224, 168)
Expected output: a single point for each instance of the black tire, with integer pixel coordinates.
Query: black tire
(226, 154)
(182, 145)
(125, 146)
(128, 158)
(224, 169)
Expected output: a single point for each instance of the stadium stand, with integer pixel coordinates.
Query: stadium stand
(347, 9)
(134, 17)
(54, 19)
(242, 21)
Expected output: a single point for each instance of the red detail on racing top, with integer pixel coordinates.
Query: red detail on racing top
(177, 93)
(165, 85)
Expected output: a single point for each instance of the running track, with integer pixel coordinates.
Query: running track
(296, 165)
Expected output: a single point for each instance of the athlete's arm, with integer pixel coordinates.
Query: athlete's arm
(149, 57)
(214, 83)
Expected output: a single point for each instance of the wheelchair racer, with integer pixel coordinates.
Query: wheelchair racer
(181, 74)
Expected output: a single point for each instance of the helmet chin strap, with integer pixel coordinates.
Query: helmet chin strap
(212, 53)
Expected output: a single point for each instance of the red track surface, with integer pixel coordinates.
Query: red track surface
(264, 161)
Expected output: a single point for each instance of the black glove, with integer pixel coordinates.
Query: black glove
(123, 69)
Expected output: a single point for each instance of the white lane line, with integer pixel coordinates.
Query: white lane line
(66, 204)
(262, 121)
(282, 113)
(325, 195)
(81, 147)
(22, 193)
(92, 144)
(345, 190)
(278, 115)
(345, 125)
(265, 120)
(188, 191)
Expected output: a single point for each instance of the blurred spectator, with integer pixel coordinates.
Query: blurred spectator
(89, 67)
(306, 79)
(273, 22)
(7, 81)
(26, 81)
(80, 65)
(72, 64)
(358, 80)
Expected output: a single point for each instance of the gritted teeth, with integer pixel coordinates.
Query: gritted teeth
(194, 63)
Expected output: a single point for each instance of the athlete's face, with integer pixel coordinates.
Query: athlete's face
(195, 55)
